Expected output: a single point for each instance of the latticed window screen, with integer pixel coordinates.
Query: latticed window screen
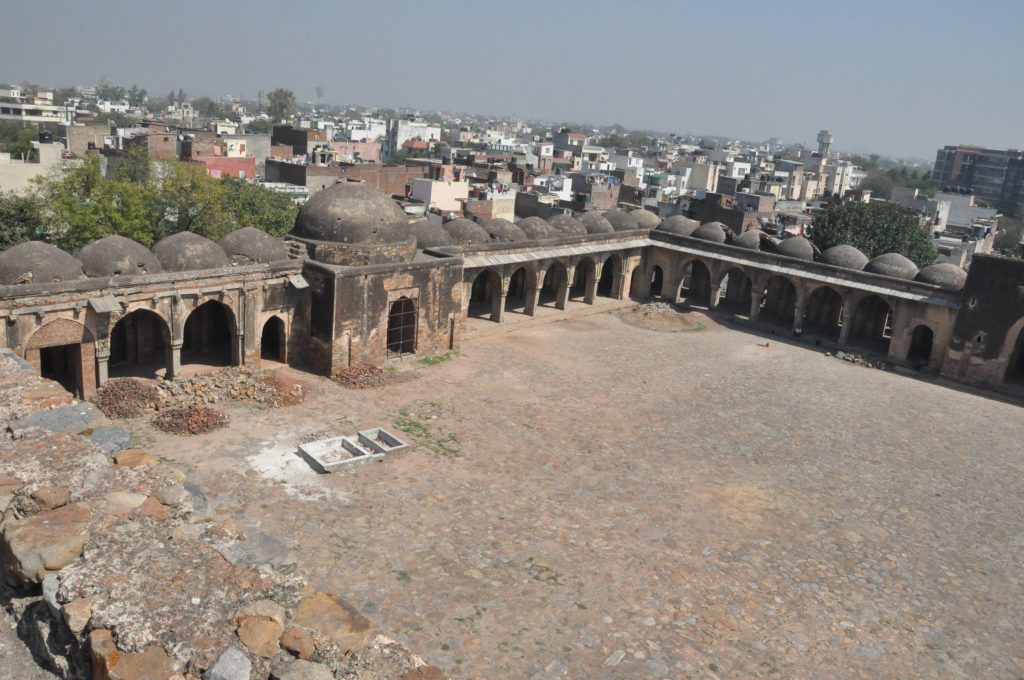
(402, 327)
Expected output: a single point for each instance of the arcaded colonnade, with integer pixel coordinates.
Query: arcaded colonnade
(905, 320)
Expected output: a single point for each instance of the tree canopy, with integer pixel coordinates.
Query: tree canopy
(280, 104)
(140, 200)
(874, 229)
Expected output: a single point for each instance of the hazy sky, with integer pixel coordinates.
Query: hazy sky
(899, 77)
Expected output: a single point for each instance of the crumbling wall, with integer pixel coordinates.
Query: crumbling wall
(115, 568)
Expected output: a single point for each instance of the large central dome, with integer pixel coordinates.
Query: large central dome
(351, 212)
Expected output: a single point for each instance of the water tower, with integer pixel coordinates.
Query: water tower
(824, 142)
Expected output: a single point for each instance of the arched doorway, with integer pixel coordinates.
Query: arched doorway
(64, 351)
(519, 289)
(779, 304)
(824, 312)
(609, 275)
(657, 281)
(402, 327)
(581, 276)
(871, 325)
(485, 292)
(139, 343)
(696, 286)
(273, 341)
(554, 279)
(208, 335)
(735, 289)
(921, 342)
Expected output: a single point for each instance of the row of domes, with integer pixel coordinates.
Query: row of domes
(945, 275)
(37, 262)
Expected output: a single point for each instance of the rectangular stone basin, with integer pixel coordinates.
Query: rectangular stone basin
(380, 440)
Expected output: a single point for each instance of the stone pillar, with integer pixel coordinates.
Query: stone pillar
(102, 361)
(591, 293)
(174, 360)
(755, 306)
(563, 288)
(848, 307)
(498, 306)
(238, 349)
(621, 287)
(798, 310)
(533, 300)
(713, 295)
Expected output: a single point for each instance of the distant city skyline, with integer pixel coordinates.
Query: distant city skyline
(900, 79)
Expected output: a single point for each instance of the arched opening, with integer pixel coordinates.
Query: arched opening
(402, 327)
(735, 290)
(609, 275)
(657, 281)
(824, 313)
(779, 304)
(554, 279)
(696, 285)
(580, 278)
(208, 335)
(871, 325)
(921, 346)
(139, 343)
(485, 291)
(64, 351)
(1015, 367)
(273, 340)
(519, 289)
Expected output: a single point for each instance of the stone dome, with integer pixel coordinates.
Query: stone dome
(621, 220)
(118, 256)
(594, 223)
(677, 224)
(796, 246)
(250, 245)
(351, 212)
(466, 232)
(712, 231)
(37, 262)
(567, 224)
(186, 251)
(645, 219)
(751, 240)
(844, 256)
(892, 264)
(944, 274)
(430, 234)
(535, 228)
(500, 229)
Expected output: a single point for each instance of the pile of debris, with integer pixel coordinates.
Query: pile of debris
(125, 398)
(861, 360)
(133, 397)
(190, 420)
(362, 377)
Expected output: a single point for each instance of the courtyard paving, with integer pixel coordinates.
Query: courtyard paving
(588, 499)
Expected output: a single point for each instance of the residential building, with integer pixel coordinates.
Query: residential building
(994, 176)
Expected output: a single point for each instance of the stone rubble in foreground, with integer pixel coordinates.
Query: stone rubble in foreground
(113, 568)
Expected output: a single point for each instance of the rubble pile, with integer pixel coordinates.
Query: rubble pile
(114, 566)
(125, 397)
(190, 420)
(861, 360)
(362, 377)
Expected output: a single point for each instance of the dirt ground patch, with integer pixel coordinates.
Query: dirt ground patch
(661, 316)
(591, 500)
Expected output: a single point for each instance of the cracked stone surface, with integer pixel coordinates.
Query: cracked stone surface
(590, 499)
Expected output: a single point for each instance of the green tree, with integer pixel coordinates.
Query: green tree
(260, 126)
(251, 205)
(1008, 240)
(280, 104)
(82, 206)
(874, 229)
(21, 219)
(16, 138)
(62, 94)
(190, 200)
